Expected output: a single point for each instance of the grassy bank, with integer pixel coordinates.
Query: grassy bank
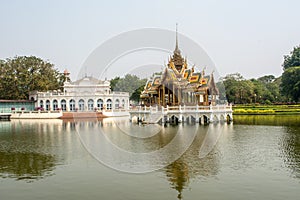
(266, 109)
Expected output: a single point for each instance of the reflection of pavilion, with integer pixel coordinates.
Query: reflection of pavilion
(190, 166)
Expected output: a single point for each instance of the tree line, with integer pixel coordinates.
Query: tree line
(22, 74)
(267, 89)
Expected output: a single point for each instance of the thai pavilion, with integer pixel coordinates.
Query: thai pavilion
(178, 85)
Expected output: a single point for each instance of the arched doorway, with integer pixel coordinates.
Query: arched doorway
(100, 104)
(47, 105)
(41, 104)
(123, 103)
(108, 104)
(55, 104)
(117, 104)
(63, 105)
(90, 104)
(81, 104)
(72, 105)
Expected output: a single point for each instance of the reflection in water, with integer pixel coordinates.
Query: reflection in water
(179, 172)
(26, 165)
(190, 166)
(28, 148)
(111, 145)
(272, 120)
(291, 150)
(290, 140)
(178, 175)
(249, 160)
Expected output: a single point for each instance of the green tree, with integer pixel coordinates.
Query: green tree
(266, 79)
(238, 90)
(262, 90)
(266, 89)
(113, 83)
(23, 74)
(290, 83)
(130, 83)
(292, 60)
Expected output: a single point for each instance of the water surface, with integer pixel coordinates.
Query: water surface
(256, 157)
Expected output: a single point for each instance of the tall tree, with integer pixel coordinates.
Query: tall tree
(238, 90)
(23, 74)
(113, 83)
(292, 60)
(266, 79)
(130, 83)
(262, 90)
(290, 84)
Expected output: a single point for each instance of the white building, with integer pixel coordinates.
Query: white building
(86, 94)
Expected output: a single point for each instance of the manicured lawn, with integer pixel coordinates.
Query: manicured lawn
(266, 109)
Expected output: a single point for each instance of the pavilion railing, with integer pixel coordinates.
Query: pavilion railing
(184, 108)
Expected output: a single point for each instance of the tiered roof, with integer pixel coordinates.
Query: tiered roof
(178, 73)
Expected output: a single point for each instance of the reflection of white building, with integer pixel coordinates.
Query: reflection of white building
(86, 94)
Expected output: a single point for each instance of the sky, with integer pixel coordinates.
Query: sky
(249, 37)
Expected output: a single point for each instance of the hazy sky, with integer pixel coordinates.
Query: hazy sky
(249, 37)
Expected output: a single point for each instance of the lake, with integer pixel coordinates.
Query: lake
(255, 157)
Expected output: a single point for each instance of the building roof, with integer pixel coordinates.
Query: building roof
(15, 101)
(88, 80)
(178, 73)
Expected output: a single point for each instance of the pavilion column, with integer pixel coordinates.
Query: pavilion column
(159, 96)
(179, 96)
(169, 100)
(173, 102)
(163, 96)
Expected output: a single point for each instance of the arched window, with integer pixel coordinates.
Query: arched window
(123, 103)
(108, 104)
(100, 104)
(41, 104)
(81, 104)
(72, 105)
(55, 104)
(47, 105)
(117, 104)
(90, 104)
(63, 105)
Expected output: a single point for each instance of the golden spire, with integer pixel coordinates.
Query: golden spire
(176, 51)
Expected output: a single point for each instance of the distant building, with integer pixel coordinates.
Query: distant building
(86, 94)
(7, 106)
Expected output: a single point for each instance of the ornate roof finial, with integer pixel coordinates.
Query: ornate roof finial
(203, 71)
(176, 51)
